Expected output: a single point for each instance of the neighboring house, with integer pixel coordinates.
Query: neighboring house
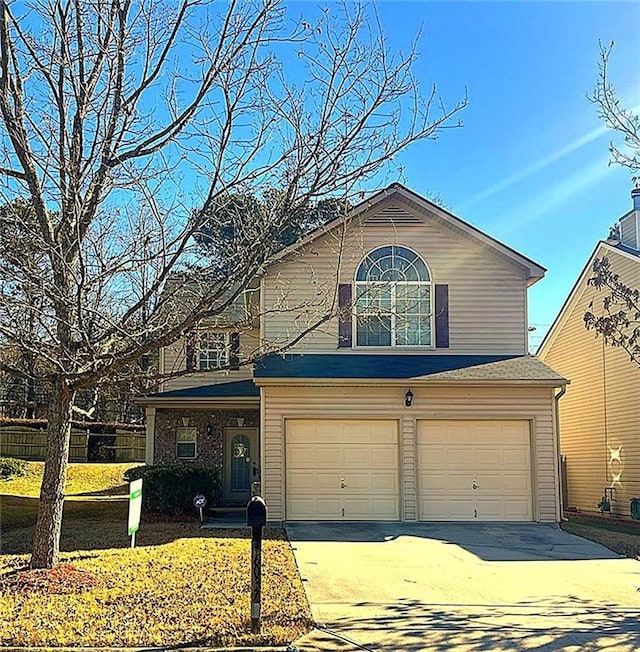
(600, 413)
(416, 400)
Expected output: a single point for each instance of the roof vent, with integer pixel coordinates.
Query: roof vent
(395, 215)
(630, 223)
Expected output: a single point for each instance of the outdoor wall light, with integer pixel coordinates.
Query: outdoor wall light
(209, 430)
(408, 398)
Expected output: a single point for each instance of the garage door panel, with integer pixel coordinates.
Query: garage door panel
(448, 509)
(490, 509)
(363, 508)
(437, 481)
(445, 457)
(515, 433)
(387, 482)
(371, 481)
(517, 457)
(312, 457)
(385, 457)
(362, 453)
(324, 508)
(302, 481)
(517, 484)
(456, 435)
(515, 508)
(313, 482)
(489, 458)
(452, 454)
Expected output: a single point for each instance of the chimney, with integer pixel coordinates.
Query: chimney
(630, 223)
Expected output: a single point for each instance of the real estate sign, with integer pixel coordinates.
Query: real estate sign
(135, 507)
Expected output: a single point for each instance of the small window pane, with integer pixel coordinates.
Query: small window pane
(186, 450)
(213, 351)
(374, 331)
(413, 331)
(186, 438)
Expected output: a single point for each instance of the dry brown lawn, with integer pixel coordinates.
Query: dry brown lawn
(181, 585)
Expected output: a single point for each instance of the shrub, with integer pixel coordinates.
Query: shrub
(12, 468)
(170, 489)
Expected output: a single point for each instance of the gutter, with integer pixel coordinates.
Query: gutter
(556, 399)
(419, 381)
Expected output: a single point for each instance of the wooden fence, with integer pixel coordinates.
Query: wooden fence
(30, 443)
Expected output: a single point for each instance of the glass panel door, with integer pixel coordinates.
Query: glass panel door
(240, 463)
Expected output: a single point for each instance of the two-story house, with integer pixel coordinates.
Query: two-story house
(406, 391)
(600, 416)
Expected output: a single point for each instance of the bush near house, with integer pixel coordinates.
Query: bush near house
(170, 489)
(12, 468)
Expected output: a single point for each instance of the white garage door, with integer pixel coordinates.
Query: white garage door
(342, 470)
(474, 470)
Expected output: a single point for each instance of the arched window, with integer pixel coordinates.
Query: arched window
(393, 299)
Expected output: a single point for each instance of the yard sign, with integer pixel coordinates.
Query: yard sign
(135, 508)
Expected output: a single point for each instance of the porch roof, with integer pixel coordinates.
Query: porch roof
(235, 389)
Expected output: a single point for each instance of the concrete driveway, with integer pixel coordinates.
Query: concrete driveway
(471, 586)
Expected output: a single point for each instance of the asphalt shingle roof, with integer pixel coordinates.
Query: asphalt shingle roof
(450, 367)
(237, 389)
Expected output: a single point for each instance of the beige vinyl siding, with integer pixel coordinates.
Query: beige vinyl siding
(174, 360)
(487, 294)
(409, 470)
(600, 412)
(534, 404)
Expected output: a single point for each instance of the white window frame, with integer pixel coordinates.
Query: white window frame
(205, 361)
(392, 307)
(184, 430)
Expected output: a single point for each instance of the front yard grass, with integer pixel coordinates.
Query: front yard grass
(82, 479)
(181, 585)
(620, 536)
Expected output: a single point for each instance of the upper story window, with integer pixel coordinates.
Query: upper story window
(393, 299)
(213, 350)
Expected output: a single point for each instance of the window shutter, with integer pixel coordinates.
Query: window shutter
(442, 316)
(344, 315)
(234, 351)
(190, 338)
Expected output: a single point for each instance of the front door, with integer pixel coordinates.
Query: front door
(241, 464)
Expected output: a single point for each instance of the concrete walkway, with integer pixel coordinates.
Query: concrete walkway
(471, 586)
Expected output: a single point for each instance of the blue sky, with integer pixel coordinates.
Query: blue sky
(529, 166)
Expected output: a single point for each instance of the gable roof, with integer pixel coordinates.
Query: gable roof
(419, 204)
(603, 247)
(496, 368)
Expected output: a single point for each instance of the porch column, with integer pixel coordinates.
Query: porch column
(151, 433)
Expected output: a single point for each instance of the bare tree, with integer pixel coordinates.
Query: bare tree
(615, 315)
(120, 118)
(623, 120)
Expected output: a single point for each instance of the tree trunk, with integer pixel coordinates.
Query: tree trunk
(46, 540)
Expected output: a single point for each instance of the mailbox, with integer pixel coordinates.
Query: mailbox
(256, 512)
(256, 520)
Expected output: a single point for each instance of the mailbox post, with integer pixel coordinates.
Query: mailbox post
(256, 520)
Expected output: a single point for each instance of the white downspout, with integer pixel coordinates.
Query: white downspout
(556, 411)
